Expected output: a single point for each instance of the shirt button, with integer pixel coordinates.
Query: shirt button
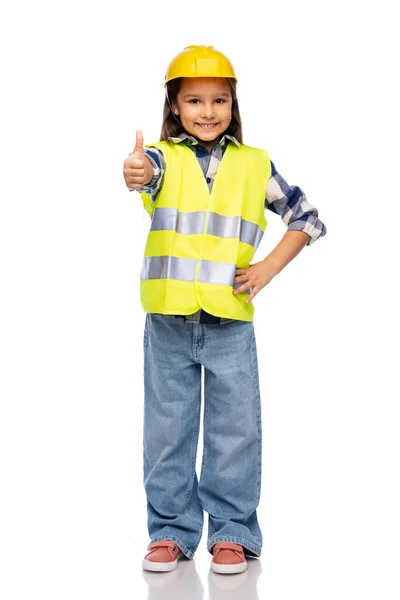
(208, 179)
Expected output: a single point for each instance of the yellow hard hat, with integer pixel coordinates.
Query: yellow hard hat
(199, 61)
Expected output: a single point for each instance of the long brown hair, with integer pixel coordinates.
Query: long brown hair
(170, 126)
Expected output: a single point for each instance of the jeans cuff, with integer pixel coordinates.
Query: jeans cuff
(187, 551)
(254, 549)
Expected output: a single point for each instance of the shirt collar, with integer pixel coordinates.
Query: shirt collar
(189, 139)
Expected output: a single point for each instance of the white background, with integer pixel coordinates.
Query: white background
(317, 89)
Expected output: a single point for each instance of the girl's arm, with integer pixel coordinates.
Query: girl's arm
(289, 247)
(303, 228)
(292, 205)
(156, 159)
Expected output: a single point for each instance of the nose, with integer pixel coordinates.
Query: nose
(208, 111)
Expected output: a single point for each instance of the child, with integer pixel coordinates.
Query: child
(206, 193)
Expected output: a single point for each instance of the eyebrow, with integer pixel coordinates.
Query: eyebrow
(224, 95)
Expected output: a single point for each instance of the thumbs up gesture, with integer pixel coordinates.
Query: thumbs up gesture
(138, 169)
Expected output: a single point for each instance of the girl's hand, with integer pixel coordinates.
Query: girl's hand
(137, 168)
(255, 276)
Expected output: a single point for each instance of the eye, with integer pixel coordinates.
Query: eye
(193, 100)
(220, 100)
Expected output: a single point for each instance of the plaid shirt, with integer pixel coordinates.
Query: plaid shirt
(287, 201)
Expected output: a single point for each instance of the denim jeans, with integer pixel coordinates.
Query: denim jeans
(229, 485)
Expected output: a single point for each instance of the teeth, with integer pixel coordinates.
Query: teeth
(207, 126)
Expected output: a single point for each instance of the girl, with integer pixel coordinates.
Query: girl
(206, 193)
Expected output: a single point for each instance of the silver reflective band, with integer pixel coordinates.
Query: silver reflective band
(171, 267)
(216, 272)
(218, 225)
(251, 233)
(223, 226)
(181, 222)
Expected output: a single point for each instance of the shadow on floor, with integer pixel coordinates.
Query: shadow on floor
(184, 583)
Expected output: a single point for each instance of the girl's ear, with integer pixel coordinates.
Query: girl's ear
(175, 108)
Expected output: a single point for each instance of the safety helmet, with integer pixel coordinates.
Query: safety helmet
(199, 61)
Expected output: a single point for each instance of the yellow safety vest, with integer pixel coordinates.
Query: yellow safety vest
(197, 239)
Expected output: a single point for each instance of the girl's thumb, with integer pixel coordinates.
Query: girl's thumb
(138, 149)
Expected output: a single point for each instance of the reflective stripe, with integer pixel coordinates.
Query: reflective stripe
(216, 272)
(160, 267)
(181, 222)
(218, 225)
(251, 233)
(171, 267)
(223, 226)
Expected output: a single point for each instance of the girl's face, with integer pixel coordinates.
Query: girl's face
(204, 106)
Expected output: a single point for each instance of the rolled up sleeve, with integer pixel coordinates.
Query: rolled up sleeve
(292, 205)
(157, 160)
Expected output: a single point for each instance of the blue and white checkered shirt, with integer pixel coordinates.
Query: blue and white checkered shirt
(287, 201)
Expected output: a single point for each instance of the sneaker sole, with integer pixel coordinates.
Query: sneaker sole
(233, 568)
(152, 565)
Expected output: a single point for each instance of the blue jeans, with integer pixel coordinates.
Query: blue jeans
(229, 485)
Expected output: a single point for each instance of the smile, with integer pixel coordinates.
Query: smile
(207, 125)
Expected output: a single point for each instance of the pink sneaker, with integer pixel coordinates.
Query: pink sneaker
(163, 556)
(228, 558)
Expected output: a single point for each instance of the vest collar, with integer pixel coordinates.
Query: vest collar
(190, 140)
